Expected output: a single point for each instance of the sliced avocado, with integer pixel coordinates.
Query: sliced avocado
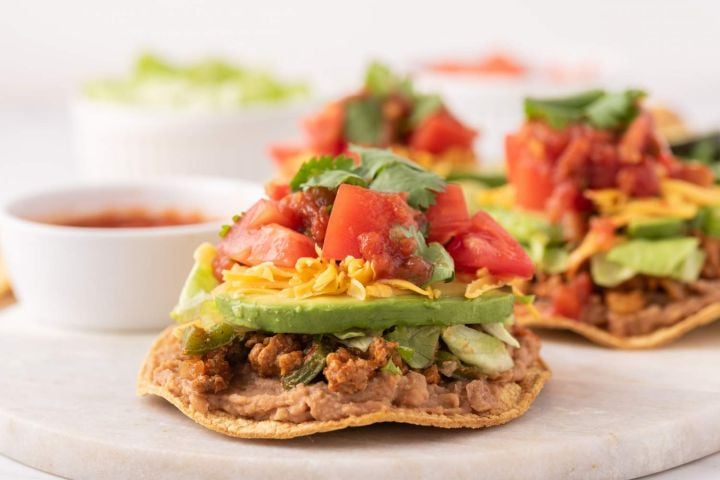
(656, 228)
(331, 314)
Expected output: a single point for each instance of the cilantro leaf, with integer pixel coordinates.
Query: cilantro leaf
(420, 186)
(375, 159)
(363, 121)
(381, 81)
(332, 179)
(318, 165)
(614, 110)
(558, 112)
(443, 265)
(596, 107)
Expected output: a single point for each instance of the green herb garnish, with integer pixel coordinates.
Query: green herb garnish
(601, 109)
(379, 170)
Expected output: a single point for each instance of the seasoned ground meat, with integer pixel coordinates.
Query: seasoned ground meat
(660, 303)
(275, 355)
(209, 373)
(432, 375)
(244, 393)
(347, 372)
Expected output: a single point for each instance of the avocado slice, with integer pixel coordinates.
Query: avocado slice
(332, 314)
(656, 228)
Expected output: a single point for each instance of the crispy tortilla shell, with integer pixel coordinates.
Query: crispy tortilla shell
(602, 337)
(515, 403)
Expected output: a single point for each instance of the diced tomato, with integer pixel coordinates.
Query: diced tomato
(264, 234)
(639, 180)
(533, 183)
(265, 212)
(269, 243)
(358, 211)
(569, 299)
(696, 173)
(635, 139)
(440, 132)
(488, 245)
(325, 130)
(449, 215)
(277, 189)
(514, 146)
(285, 152)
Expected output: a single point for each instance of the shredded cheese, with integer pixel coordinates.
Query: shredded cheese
(483, 283)
(313, 277)
(502, 197)
(678, 199)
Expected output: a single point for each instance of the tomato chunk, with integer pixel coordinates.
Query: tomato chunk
(359, 211)
(488, 245)
(569, 299)
(270, 243)
(325, 130)
(449, 215)
(264, 234)
(265, 212)
(440, 132)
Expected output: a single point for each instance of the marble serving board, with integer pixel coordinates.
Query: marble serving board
(68, 406)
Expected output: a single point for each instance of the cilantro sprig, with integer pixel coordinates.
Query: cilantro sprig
(601, 109)
(364, 122)
(379, 170)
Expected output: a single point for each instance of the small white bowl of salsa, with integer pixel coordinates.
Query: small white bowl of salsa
(112, 256)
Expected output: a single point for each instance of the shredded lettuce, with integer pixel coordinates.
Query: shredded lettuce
(500, 331)
(195, 297)
(476, 348)
(678, 258)
(659, 258)
(417, 344)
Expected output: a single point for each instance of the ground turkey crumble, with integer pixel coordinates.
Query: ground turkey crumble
(643, 304)
(243, 380)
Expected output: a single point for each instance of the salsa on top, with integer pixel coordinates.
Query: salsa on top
(376, 206)
(386, 112)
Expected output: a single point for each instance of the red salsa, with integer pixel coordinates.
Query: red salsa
(135, 217)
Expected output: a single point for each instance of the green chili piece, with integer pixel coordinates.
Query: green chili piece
(197, 340)
(308, 370)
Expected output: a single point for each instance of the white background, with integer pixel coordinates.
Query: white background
(46, 47)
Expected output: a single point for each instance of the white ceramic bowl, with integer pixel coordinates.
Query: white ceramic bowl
(117, 141)
(111, 278)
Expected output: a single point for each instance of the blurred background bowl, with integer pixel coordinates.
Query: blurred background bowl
(119, 141)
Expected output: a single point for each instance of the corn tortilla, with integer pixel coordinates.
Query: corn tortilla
(602, 337)
(515, 398)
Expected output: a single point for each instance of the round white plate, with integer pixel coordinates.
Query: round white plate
(67, 406)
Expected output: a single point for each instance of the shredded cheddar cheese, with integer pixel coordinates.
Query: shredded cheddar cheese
(678, 199)
(313, 277)
(502, 197)
(483, 283)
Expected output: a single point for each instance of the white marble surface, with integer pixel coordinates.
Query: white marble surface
(69, 408)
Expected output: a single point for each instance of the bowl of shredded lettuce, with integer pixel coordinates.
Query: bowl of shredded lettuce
(208, 116)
